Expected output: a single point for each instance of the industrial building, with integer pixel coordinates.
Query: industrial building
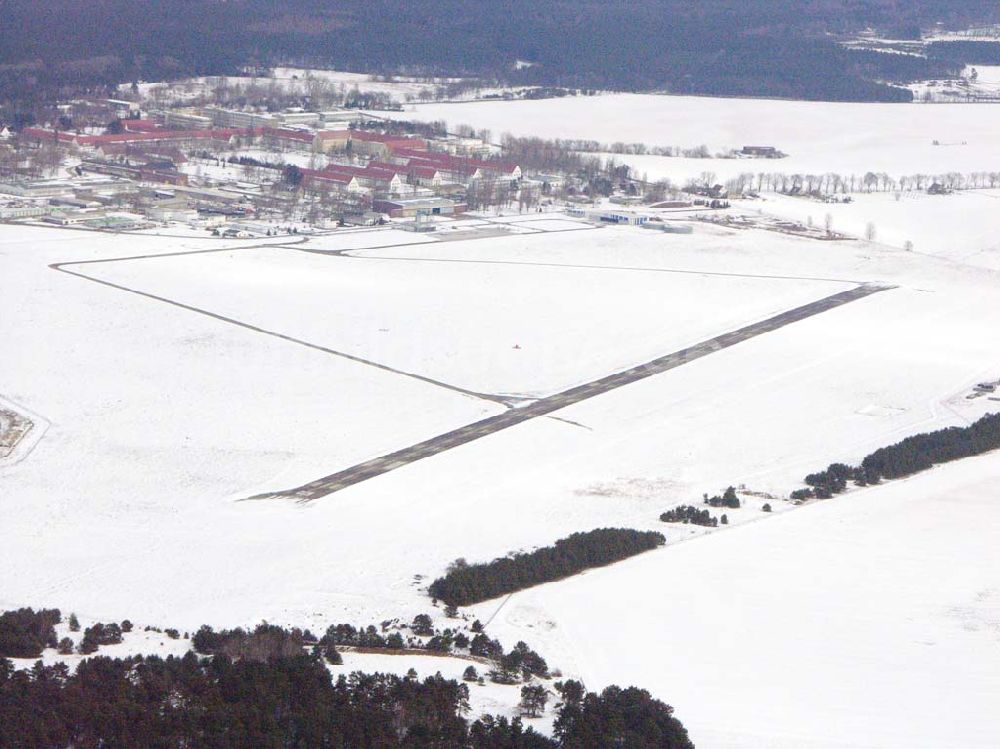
(411, 207)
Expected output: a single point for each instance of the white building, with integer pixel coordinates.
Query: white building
(14, 212)
(234, 118)
(186, 118)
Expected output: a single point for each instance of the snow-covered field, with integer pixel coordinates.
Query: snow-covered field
(526, 330)
(400, 87)
(867, 622)
(976, 81)
(160, 417)
(819, 137)
(962, 226)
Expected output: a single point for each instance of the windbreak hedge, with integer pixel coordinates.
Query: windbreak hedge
(467, 584)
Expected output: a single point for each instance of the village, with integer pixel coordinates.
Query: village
(113, 165)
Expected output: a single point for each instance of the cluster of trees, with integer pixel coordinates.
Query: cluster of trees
(832, 183)
(617, 717)
(142, 702)
(266, 643)
(25, 633)
(466, 584)
(691, 514)
(909, 456)
(370, 637)
(727, 499)
(434, 129)
(965, 52)
(560, 156)
(97, 635)
(577, 146)
(520, 664)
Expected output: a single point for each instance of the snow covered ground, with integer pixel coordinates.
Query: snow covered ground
(527, 330)
(819, 137)
(868, 622)
(160, 417)
(961, 226)
(976, 81)
(400, 87)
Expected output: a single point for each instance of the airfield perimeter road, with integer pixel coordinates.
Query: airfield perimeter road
(546, 406)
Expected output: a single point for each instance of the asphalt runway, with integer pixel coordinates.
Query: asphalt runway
(335, 482)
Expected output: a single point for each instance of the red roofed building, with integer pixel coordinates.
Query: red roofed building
(140, 126)
(380, 145)
(316, 179)
(372, 176)
(333, 140)
(41, 135)
(280, 137)
(456, 168)
(322, 141)
(416, 174)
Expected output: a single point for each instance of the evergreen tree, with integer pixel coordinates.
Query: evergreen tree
(422, 625)
(533, 700)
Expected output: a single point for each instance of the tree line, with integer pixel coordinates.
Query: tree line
(521, 663)
(466, 584)
(63, 48)
(905, 458)
(147, 702)
(832, 183)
